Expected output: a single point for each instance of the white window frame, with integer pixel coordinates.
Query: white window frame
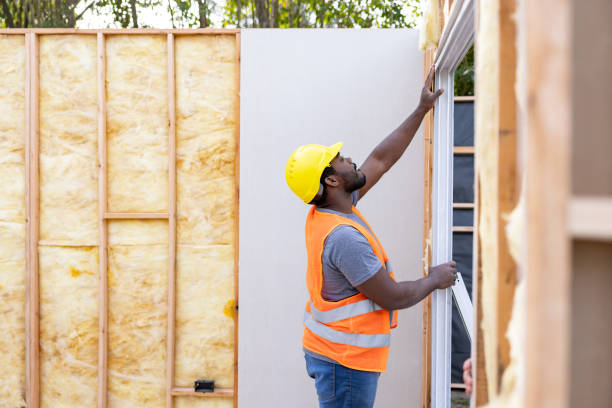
(456, 40)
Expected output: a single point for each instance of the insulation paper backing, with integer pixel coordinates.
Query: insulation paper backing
(206, 153)
(12, 221)
(138, 307)
(68, 221)
(137, 122)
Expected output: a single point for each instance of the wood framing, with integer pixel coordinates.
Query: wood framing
(427, 209)
(135, 216)
(120, 31)
(219, 392)
(32, 222)
(170, 336)
(548, 139)
(103, 228)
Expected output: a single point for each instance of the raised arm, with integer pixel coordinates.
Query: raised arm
(393, 146)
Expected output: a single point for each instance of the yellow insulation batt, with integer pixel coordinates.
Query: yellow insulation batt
(68, 141)
(137, 133)
(431, 26)
(138, 298)
(137, 122)
(12, 221)
(68, 221)
(206, 92)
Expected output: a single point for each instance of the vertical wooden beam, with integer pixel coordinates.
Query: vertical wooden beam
(236, 214)
(170, 337)
(508, 191)
(427, 225)
(102, 226)
(32, 221)
(549, 106)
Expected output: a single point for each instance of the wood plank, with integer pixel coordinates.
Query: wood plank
(459, 228)
(590, 217)
(103, 228)
(171, 332)
(549, 107)
(463, 206)
(219, 392)
(427, 240)
(136, 215)
(467, 98)
(121, 31)
(32, 221)
(236, 212)
(508, 189)
(463, 150)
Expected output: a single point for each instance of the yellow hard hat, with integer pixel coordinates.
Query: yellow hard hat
(305, 166)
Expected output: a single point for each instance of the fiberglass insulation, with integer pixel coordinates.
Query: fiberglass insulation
(205, 89)
(68, 250)
(12, 221)
(137, 134)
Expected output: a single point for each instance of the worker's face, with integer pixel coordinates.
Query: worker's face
(352, 178)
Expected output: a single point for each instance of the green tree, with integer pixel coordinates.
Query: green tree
(464, 75)
(42, 13)
(125, 12)
(321, 13)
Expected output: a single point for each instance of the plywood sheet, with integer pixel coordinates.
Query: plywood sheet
(137, 122)
(68, 326)
(68, 140)
(12, 221)
(205, 75)
(138, 292)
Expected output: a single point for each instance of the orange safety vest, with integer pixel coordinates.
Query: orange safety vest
(354, 331)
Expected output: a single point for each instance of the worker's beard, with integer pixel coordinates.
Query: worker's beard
(355, 183)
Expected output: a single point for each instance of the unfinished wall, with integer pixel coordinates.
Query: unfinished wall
(321, 86)
(68, 221)
(12, 221)
(137, 135)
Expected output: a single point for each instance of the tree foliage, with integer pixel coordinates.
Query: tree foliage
(320, 13)
(42, 13)
(464, 75)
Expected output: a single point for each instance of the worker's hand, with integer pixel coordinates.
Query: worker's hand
(428, 97)
(468, 380)
(443, 275)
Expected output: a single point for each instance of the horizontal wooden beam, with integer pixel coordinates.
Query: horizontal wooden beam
(219, 392)
(120, 31)
(136, 215)
(463, 229)
(590, 217)
(463, 150)
(463, 206)
(469, 98)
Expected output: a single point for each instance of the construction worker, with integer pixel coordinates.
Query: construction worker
(354, 297)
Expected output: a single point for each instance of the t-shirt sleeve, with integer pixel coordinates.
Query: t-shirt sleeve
(350, 252)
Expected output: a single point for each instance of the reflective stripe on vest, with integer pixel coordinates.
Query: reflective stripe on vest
(340, 337)
(344, 312)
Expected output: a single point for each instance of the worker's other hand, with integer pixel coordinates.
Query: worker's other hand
(468, 380)
(443, 275)
(428, 97)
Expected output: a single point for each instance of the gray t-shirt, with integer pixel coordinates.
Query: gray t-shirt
(348, 259)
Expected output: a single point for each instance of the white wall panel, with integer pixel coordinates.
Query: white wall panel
(321, 86)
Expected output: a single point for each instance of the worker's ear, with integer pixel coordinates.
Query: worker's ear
(331, 180)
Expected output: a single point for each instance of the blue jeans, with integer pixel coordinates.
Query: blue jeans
(342, 387)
